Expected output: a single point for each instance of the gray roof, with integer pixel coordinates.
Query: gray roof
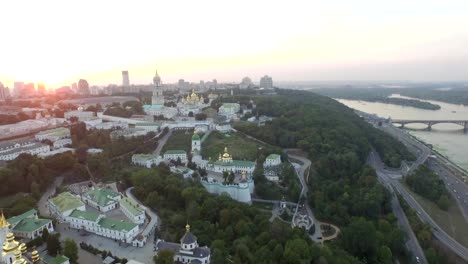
(200, 252)
(188, 238)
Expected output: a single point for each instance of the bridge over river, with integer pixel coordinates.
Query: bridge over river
(430, 123)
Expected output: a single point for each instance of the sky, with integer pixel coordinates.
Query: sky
(58, 42)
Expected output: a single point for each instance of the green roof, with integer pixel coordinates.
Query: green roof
(175, 152)
(131, 206)
(90, 216)
(60, 131)
(156, 106)
(30, 224)
(59, 259)
(273, 156)
(145, 156)
(195, 137)
(102, 196)
(147, 124)
(117, 225)
(16, 219)
(66, 201)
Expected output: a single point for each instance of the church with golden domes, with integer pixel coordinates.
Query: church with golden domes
(191, 103)
(15, 252)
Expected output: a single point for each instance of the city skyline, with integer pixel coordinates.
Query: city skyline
(301, 41)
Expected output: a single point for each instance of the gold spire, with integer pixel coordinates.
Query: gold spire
(3, 221)
(225, 150)
(10, 245)
(23, 248)
(187, 227)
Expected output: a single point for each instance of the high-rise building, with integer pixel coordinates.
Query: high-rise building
(74, 87)
(83, 86)
(266, 82)
(125, 79)
(29, 90)
(18, 88)
(4, 92)
(41, 89)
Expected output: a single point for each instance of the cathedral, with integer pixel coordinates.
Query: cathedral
(15, 252)
(157, 107)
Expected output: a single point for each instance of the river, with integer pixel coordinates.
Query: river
(448, 139)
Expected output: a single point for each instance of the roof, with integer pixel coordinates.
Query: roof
(131, 206)
(273, 156)
(90, 216)
(16, 219)
(102, 196)
(144, 156)
(200, 252)
(175, 152)
(147, 124)
(59, 259)
(195, 137)
(31, 224)
(188, 238)
(60, 131)
(24, 148)
(66, 201)
(155, 106)
(118, 225)
(108, 260)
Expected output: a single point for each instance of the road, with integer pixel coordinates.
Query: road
(412, 244)
(155, 220)
(162, 142)
(306, 163)
(42, 205)
(455, 186)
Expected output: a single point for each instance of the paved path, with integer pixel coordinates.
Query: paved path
(306, 163)
(155, 220)
(162, 142)
(42, 205)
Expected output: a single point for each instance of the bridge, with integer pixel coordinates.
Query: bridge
(430, 123)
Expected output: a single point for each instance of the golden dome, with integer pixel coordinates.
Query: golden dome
(226, 155)
(10, 245)
(23, 248)
(35, 256)
(3, 221)
(187, 227)
(18, 258)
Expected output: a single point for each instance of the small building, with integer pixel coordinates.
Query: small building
(60, 143)
(63, 205)
(103, 199)
(81, 115)
(132, 210)
(148, 126)
(272, 160)
(196, 142)
(184, 171)
(28, 225)
(55, 152)
(128, 133)
(175, 155)
(146, 160)
(11, 151)
(53, 134)
(187, 251)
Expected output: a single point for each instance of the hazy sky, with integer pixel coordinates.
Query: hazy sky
(58, 42)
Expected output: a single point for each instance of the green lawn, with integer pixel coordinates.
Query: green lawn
(179, 140)
(264, 206)
(452, 220)
(240, 147)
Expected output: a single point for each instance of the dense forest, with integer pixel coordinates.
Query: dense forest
(427, 184)
(375, 95)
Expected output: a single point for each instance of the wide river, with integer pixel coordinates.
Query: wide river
(448, 139)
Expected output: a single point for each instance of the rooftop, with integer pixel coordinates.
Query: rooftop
(273, 156)
(90, 216)
(60, 131)
(102, 196)
(175, 152)
(16, 219)
(31, 224)
(59, 259)
(24, 148)
(66, 201)
(147, 124)
(131, 206)
(117, 225)
(144, 156)
(238, 163)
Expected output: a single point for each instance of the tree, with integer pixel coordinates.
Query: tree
(71, 251)
(225, 175)
(190, 114)
(443, 202)
(164, 257)
(231, 177)
(53, 245)
(45, 234)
